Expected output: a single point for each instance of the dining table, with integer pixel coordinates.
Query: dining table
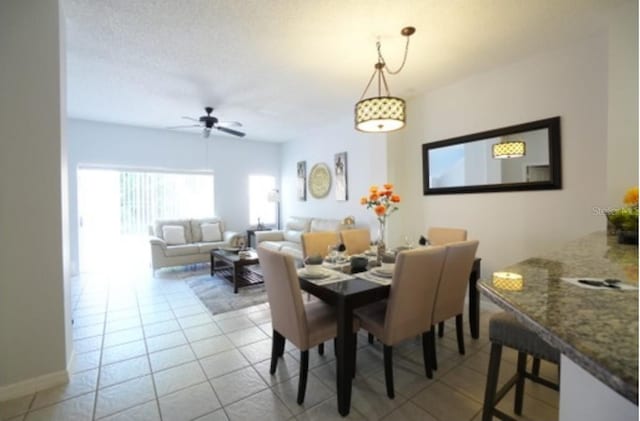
(357, 290)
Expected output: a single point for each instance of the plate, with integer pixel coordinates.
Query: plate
(230, 249)
(314, 275)
(382, 273)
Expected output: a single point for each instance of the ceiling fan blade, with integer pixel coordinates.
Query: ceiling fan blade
(183, 127)
(230, 131)
(229, 124)
(190, 118)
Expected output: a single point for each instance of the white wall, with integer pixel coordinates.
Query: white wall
(570, 82)
(232, 161)
(622, 150)
(366, 165)
(34, 329)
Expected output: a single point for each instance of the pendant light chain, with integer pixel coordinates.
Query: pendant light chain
(404, 59)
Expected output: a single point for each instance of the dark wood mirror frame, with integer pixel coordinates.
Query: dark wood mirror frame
(555, 170)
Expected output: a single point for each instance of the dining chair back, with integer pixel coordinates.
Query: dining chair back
(317, 243)
(449, 300)
(356, 241)
(440, 236)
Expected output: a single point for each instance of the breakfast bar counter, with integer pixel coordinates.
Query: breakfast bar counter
(595, 328)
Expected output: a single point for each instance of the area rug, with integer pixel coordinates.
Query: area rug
(217, 293)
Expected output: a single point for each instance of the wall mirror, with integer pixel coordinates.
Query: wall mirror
(521, 157)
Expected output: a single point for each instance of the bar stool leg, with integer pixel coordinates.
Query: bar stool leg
(441, 329)
(521, 368)
(535, 369)
(492, 382)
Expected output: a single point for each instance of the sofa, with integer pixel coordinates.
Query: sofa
(289, 239)
(176, 242)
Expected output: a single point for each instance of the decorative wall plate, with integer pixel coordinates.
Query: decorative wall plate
(320, 180)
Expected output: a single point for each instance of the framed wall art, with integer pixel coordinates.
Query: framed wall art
(342, 189)
(301, 180)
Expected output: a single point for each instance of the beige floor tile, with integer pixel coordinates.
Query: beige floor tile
(205, 331)
(409, 412)
(445, 403)
(147, 412)
(161, 328)
(79, 408)
(262, 405)
(315, 394)
(235, 323)
(211, 346)
(171, 357)
(370, 398)
(189, 403)
(79, 384)
(189, 311)
(123, 337)
(218, 415)
(246, 336)
(123, 324)
(405, 380)
(124, 370)
(166, 341)
(328, 411)
(286, 368)
(532, 408)
(88, 331)
(238, 385)
(88, 344)
(124, 395)
(176, 378)
(123, 352)
(195, 320)
(14, 407)
(157, 317)
(222, 363)
(85, 361)
(258, 351)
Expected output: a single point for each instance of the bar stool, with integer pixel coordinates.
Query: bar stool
(505, 330)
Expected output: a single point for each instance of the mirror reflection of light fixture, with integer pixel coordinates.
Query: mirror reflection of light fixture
(273, 196)
(508, 281)
(509, 149)
(380, 113)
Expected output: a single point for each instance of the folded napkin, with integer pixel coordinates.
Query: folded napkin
(369, 276)
(333, 277)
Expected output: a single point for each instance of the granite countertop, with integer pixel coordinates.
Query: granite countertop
(596, 328)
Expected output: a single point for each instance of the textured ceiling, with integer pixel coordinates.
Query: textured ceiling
(283, 67)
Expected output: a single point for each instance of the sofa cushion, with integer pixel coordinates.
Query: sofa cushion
(182, 250)
(296, 252)
(293, 236)
(211, 232)
(157, 227)
(318, 224)
(207, 247)
(196, 229)
(173, 234)
(271, 245)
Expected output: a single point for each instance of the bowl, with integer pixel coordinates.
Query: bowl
(313, 268)
(359, 263)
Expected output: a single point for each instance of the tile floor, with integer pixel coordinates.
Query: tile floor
(147, 349)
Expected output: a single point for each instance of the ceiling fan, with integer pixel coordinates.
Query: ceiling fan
(208, 122)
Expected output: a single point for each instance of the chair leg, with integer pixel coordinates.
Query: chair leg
(321, 348)
(460, 334)
(355, 353)
(492, 382)
(277, 349)
(335, 347)
(521, 368)
(370, 337)
(426, 349)
(388, 370)
(535, 369)
(304, 370)
(432, 345)
(441, 329)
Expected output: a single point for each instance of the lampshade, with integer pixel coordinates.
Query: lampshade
(508, 281)
(273, 196)
(380, 114)
(509, 149)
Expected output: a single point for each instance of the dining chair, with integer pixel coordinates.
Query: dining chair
(408, 310)
(318, 242)
(303, 324)
(356, 241)
(451, 290)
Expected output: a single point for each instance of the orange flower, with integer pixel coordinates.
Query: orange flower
(388, 186)
(631, 196)
(363, 200)
(380, 210)
(387, 193)
(395, 198)
(373, 197)
(373, 189)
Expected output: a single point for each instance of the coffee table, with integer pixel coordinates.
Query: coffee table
(238, 265)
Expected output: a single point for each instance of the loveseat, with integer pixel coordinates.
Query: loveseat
(289, 240)
(176, 242)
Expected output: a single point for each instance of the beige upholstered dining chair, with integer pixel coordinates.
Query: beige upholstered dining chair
(356, 240)
(408, 310)
(317, 243)
(303, 324)
(439, 236)
(449, 300)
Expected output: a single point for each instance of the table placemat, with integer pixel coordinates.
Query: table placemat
(334, 276)
(373, 278)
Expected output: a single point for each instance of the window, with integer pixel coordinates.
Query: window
(259, 205)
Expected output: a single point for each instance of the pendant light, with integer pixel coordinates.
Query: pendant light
(382, 113)
(509, 149)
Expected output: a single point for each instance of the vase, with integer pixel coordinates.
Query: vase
(627, 237)
(381, 246)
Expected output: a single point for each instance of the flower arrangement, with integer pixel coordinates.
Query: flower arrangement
(382, 201)
(625, 219)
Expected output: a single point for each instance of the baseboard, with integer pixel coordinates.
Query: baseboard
(33, 385)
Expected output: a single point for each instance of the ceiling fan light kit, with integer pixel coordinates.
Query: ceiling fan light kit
(382, 113)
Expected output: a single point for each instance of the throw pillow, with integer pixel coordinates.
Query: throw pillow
(211, 232)
(173, 234)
